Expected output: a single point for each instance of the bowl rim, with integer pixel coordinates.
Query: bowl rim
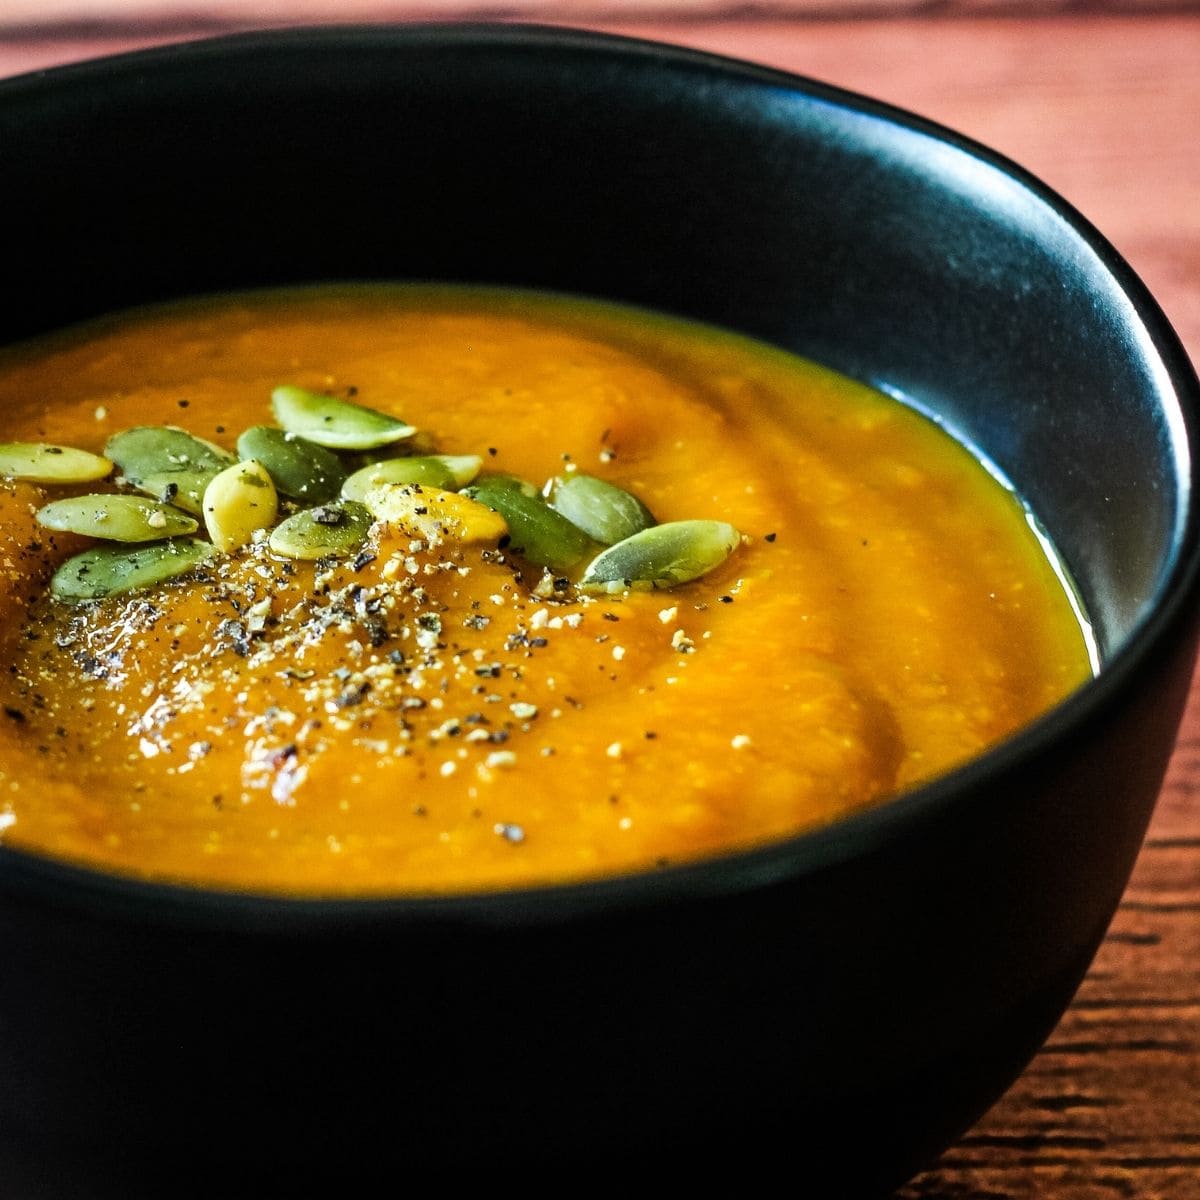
(1169, 614)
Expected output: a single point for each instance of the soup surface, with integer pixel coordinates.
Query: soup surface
(439, 713)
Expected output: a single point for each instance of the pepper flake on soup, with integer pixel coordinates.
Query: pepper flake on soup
(403, 590)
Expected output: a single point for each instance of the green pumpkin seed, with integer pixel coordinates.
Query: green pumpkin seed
(237, 503)
(327, 531)
(546, 538)
(602, 510)
(445, 471)
(183, 489)
(114, 570)
(40, 462)
(300, 469)
(335, 423)
(167, 463)
(116, 518)
(661, 557)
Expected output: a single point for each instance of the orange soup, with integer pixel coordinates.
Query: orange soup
(434, 686)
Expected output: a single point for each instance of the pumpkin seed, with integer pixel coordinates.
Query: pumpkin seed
(435, 515)
(445, 471)
(543, 536)
(335, 423)
(116, 518)
(114, 570)
(602, 510)
(661, 557)
(238, 502)
(327, 531)
(300, 469)
(40, 462)
(168, 463)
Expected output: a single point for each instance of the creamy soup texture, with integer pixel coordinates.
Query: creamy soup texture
(435, 712)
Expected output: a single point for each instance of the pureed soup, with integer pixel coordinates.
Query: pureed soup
(367, 633)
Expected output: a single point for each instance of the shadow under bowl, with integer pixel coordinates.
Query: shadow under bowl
(844, 1003)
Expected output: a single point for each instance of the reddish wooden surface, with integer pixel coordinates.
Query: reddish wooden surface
(1106, 108)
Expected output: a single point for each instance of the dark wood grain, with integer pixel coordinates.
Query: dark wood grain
(1106, 109)
(231, 13)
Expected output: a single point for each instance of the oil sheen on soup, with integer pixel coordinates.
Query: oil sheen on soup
(764, 597)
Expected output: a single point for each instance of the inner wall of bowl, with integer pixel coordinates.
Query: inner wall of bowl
(552, 160)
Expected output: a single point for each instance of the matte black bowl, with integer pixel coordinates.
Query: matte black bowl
(844, 1003)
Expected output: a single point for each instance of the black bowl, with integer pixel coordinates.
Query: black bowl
(845, 1002)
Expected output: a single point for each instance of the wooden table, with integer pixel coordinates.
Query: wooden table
(1105, 106)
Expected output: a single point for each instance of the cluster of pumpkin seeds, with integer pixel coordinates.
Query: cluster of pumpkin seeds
(578, 519)
(304, 470)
